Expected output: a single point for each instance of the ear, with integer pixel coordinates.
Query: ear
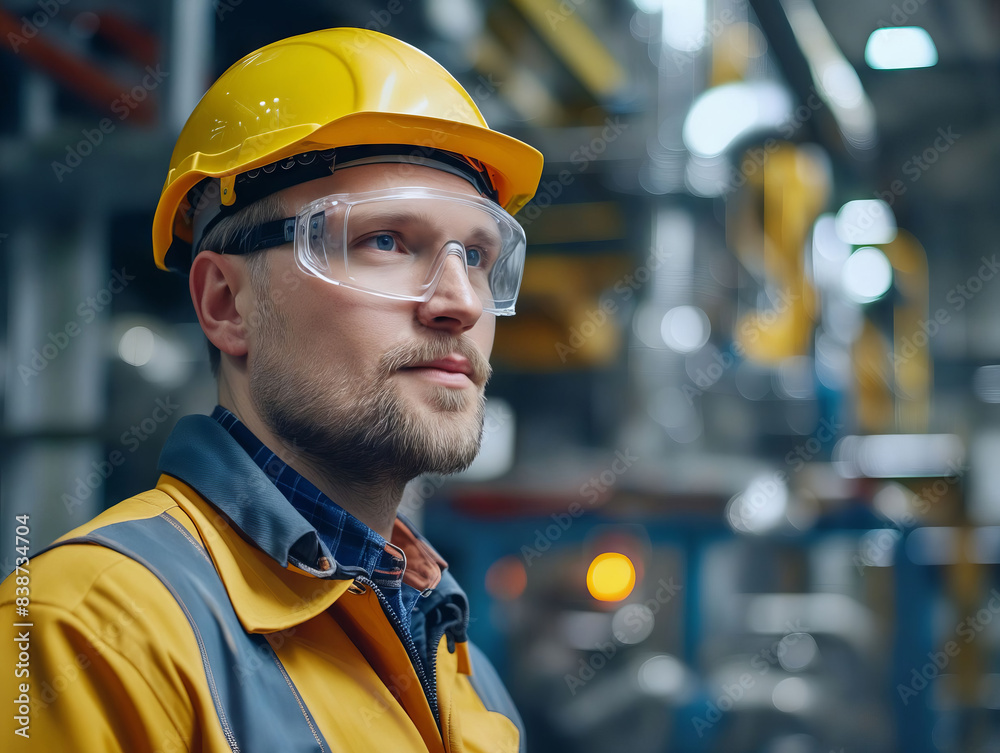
(215, 282)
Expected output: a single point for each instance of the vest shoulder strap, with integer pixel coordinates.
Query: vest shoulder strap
(490, 688)
(258, 706)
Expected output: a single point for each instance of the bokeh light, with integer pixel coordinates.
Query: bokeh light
(136, 346)
(610, 577)
(506, 578)
(900, 47)
(867, 275)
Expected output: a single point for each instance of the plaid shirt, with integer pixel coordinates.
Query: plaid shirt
(351, 542)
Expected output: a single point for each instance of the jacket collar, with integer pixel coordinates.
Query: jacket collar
(260, 541)
(204, 455)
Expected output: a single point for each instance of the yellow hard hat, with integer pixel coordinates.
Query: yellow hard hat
(322, 90)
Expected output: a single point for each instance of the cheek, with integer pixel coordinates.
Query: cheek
(482, 334)
(343, 333)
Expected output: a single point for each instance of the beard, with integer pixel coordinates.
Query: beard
(357, 429)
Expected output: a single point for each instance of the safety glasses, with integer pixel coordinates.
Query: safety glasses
(394, 243)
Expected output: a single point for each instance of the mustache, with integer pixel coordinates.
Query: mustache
(407, 354)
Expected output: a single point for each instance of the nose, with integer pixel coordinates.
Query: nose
(454, 306)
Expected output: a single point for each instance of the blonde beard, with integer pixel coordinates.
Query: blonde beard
(358, 428)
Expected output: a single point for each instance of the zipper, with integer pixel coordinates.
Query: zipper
(429, 684)
(442, 628)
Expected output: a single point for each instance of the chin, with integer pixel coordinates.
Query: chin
(449, 400)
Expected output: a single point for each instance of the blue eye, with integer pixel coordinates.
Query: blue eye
(473, 257)
(383, 242)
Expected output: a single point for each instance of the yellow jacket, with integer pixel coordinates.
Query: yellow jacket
(122, 657)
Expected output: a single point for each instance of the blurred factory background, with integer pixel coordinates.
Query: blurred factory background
(740, 489)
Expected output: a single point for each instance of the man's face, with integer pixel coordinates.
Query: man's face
(369, 388)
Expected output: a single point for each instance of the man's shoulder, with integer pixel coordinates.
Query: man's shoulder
(92, 613)
(148, 504)
(66, 573)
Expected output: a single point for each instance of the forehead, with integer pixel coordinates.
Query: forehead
(372, 178)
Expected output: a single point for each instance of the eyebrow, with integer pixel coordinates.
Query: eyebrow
(481, 233)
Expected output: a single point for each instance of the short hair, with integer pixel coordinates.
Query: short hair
(224, 231)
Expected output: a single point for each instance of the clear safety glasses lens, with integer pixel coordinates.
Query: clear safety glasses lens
(395, 243)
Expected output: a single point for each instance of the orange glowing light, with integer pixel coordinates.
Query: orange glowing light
(610, 577)
(506, 579)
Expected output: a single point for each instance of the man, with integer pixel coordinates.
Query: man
(339, 205)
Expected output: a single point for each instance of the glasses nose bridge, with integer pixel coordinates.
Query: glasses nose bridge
(455, 248)
(463, 286)
(449, 249)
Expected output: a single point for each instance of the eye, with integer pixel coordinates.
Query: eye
(382, 242)
(474, 257)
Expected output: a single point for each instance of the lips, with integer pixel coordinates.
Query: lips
(452, 364)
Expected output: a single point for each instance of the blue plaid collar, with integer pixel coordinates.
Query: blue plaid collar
(243, 484)
(351, 543)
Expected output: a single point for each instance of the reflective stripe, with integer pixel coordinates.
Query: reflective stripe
(258, 706)
(491, 691)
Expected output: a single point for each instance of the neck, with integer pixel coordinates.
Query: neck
(374, 501)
